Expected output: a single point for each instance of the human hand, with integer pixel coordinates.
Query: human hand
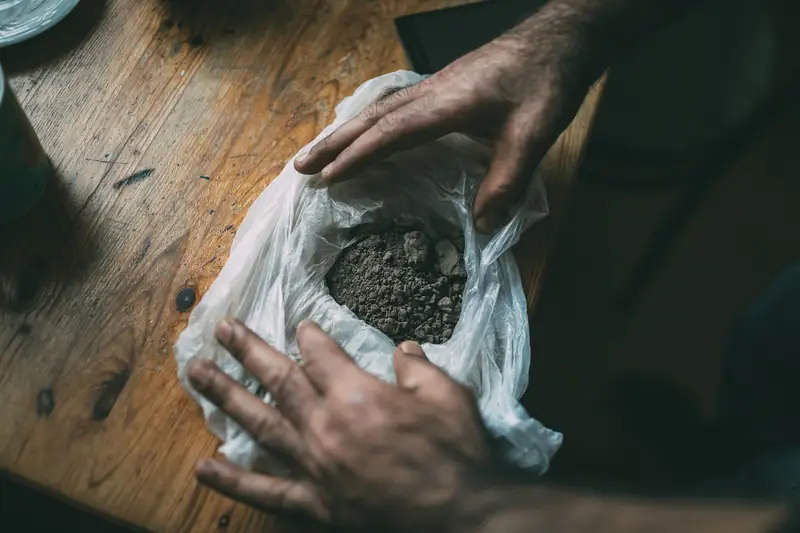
(362, 452)
(518, 92)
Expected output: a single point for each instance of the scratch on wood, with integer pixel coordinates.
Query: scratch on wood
(118, 223)
(228, 67)
(96, 482)
(109, 393)
(143, 251)
(106, 162)
(134, 178)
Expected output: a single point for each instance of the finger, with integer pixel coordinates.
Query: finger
(268, 427)
(415, 373)
(324, 361)
(409, 126)
(281, 376)
(331, 146)
(272, 494)
(513, 163)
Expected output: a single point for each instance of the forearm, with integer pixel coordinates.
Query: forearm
(594, 33)
(540, 510)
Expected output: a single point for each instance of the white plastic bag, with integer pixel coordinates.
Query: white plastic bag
(293, 233)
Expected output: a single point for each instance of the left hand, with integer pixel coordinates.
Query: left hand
(364, 453)
(518, 93)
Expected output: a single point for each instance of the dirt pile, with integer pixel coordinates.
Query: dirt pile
(401, 283)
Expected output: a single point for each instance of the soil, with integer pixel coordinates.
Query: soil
(402, 283)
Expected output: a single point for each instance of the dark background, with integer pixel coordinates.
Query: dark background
(642, 290)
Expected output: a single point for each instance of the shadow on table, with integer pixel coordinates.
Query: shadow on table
(55, 42)
(26, 510)
(43, 249)
(241, 15)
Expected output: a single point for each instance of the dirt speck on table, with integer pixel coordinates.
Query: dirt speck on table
(401, 282)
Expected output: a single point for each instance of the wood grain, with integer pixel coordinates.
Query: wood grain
(90, 407)
(558, 169)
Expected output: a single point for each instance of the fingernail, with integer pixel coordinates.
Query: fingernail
(224, 329)
(325, 174)
(412, 348)
(488, 222)
(303, 325)
(300, 159)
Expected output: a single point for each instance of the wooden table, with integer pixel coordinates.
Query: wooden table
(90, 407)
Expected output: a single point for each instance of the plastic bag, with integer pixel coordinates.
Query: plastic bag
(292, 235)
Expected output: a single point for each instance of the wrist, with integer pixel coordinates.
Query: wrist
(496, 506)
(602, 31)
(537, 509)
(563, 38)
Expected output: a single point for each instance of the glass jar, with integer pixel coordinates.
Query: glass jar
(20, 19)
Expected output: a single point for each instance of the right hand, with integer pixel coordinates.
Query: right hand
(408, 457)
(519, 92)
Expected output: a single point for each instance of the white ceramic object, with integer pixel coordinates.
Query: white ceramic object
(22, 19)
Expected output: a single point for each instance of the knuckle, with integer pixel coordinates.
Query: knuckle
(282, 493)
(390, 95)
(284, 379)
(299, 498)
(238, 342)
(372, 113)
(200, 370)
(351, 394)
(532, 136)
(387, 124)
(393, 95)
(321, 147)
(501, 190)
(219, 387)
(428, 102)
(330, 442)
(326, 433)
(265, 430)
(304, 331)
(228, 479)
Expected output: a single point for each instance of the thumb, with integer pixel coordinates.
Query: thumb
(411, 366)
(513, 163)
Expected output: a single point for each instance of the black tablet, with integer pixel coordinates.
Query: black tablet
(434, 39)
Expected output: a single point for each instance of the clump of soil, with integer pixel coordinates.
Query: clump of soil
(402, 283)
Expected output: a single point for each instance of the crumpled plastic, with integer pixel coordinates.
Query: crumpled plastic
(292, 235)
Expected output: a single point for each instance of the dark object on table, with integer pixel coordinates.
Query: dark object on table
(185, 299)
(134, 178)
(725, 47)
(434, 39)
